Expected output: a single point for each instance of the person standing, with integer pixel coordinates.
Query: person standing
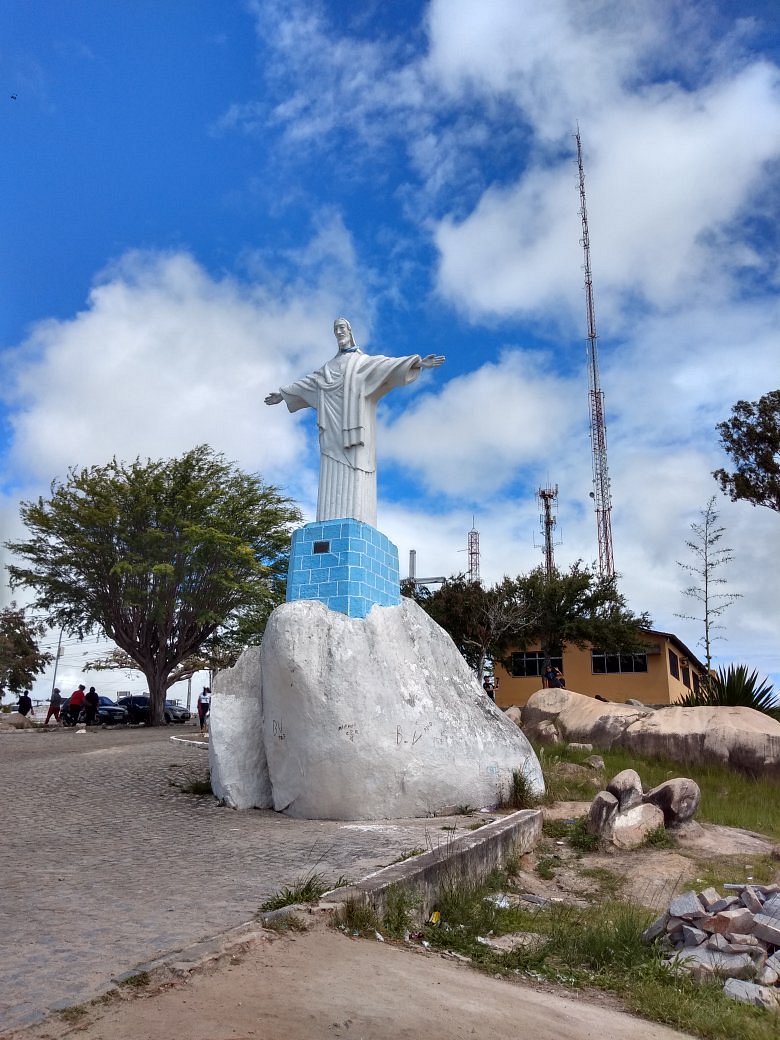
(91, 704)
(55, 706)
(25, 706)
(204, 705)
(76, 703)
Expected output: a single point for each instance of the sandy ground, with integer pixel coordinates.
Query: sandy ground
(321, 984)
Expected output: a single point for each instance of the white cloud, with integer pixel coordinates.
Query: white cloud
(479, 431)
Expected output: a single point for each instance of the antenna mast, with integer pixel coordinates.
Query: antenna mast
(473, 552)
(601, 495)
(548, 497)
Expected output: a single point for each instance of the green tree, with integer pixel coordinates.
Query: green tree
(482, 622)
(577, 607)
(708, 558)
(751, 437)
(21, 658)
(166, 557)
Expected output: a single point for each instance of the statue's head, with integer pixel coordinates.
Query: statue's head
(342, 330)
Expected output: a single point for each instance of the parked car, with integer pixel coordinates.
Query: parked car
(177, 712)
(108, 713)
(138, 707)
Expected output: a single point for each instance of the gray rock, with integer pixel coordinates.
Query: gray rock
(584, 748)
(693, 936)
(719, 942)
(768, 976)
(678, 799)
(596, 762)
(603, 811)
(724, 903)
(750, 993)
(725, 965)
(631, 828)
(739, 919)
(543, 732)
(656, 929)
(686, 905)
(767, 927)
(750, 899)
(626, 786)
(709, 897)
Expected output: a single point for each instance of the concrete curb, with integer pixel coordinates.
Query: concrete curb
(191, 743)
(468, 859)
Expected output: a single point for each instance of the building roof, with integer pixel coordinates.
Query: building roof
(684, 651)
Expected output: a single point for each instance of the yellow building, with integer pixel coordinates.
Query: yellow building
(665, 672)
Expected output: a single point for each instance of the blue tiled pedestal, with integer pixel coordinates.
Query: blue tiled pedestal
(345, 564)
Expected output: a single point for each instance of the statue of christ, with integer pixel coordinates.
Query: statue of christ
(344, 393)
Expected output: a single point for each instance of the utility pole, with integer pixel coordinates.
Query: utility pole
(601, 495)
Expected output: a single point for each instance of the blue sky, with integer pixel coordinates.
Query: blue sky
(195, 189)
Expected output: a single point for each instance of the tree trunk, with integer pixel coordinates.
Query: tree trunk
(157, 691)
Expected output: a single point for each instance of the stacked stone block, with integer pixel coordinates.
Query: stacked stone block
(735, 937)
(348, 565)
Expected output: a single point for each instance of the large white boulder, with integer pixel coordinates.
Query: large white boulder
(239, 770)
(379, 717)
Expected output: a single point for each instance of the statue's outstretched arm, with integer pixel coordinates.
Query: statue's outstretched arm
(274, 398)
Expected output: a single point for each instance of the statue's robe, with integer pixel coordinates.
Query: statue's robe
(344, 393)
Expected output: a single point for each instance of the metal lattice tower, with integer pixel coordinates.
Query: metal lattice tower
(601, 494)
(473, 553)
(548, 497)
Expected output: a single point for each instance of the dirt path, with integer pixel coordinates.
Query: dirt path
(321, 985)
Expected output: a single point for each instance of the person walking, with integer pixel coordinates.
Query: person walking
(55, 706)
(204, 706)
(91, 705)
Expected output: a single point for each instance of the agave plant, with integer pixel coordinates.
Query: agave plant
(733, 687)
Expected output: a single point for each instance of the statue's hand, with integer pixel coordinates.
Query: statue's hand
(432, 361)
(274, 398)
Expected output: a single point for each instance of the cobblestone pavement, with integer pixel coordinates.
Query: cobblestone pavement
(106, 861)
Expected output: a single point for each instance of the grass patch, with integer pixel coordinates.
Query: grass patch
(721, 870)
(521, 793)
(598, 947)
(286, 923)
(545, 868)
(660, 838)
(72, 1014)
(359, 918)
(138, 981)
(307, 889)
(409, 854)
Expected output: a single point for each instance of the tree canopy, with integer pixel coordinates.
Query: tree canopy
(482, 622)
(751, 437)
(21, 658)
(577, 606)
(168, 558)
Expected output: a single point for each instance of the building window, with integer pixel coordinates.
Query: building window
(696, 684)
(602, 663)
(686, 677)
(674, 664)
(525, 665)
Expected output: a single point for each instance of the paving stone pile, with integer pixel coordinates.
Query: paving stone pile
(735, 937)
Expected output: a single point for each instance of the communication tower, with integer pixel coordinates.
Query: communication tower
(473, 552)
(601, 495)
(548, 498)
